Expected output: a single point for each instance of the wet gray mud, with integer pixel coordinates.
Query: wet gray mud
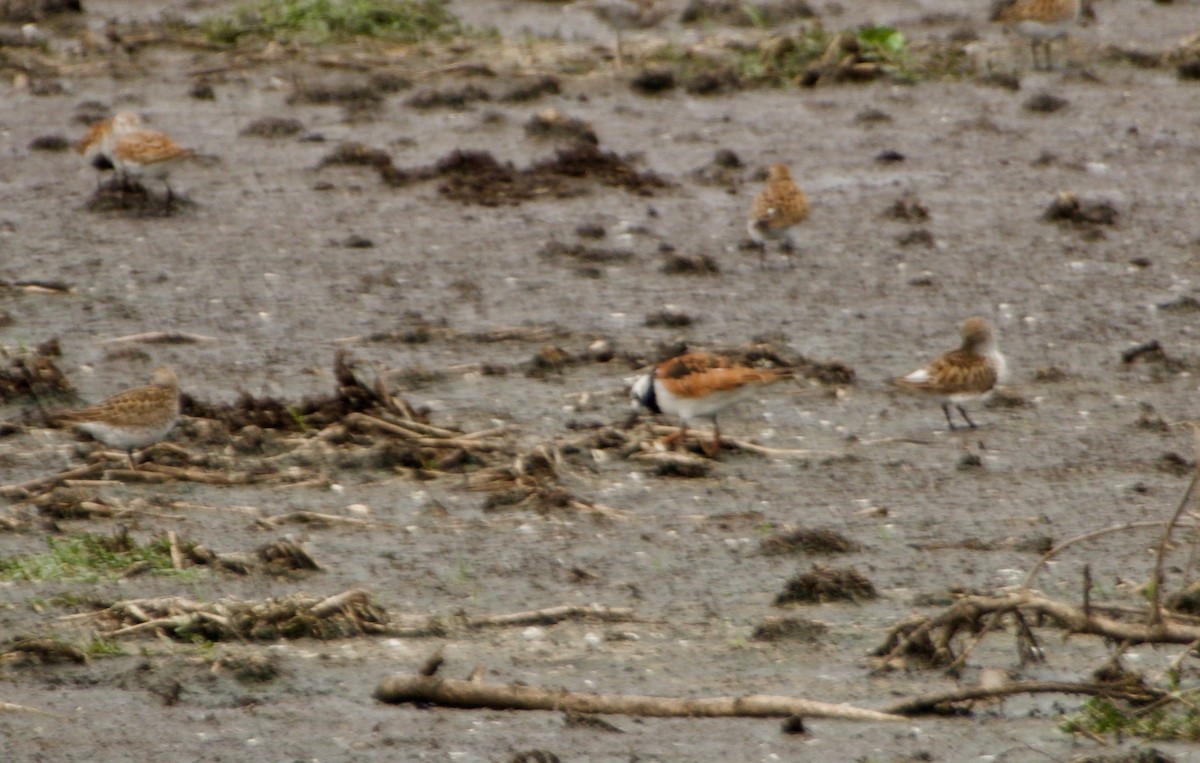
(282, 260)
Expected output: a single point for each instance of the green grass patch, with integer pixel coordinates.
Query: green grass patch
(90, 558)
(812, 54)
(1101, 716)
(104, 647)
(407, 21)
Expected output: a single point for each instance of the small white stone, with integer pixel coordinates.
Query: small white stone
(358, 509)
(533, 633)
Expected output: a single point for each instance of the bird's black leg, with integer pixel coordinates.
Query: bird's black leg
(949, 421)
(970, 423)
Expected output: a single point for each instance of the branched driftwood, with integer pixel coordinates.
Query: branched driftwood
(930, 640)
(472, 695)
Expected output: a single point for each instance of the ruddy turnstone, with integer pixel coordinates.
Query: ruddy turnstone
(133, 419)
(1040, 20)
(147, 153)
(776, 209)
(699, 385)
(969, 373)
(97, 145)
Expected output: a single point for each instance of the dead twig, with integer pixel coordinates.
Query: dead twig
(315, 518)
(553, 615)
(1156, 584)
(11, 707)
(472, 695)
(932, 637)
(940, 702)
(26, 489)
(1059, 548)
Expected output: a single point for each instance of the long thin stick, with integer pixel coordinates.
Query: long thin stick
(1079, 539)
(929, 702)
(1156, 584)
(477, 695)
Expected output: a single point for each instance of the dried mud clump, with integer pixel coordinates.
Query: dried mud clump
(725, 169)
(551, 124)
(824, 584)
(450, 98)
(790, 629)
(809, 541)
(356, 94)
(908, 208)
(1002, 80)
(1069, 208)
(251, 668)
(733, 13)
(592, 255)
(832, 373)
(476, 177)
(34, 375)
(668, 319)
(872, 116)
(604, 167)
(549, 360)
(523, 92)
(1046, 103)
(273, 127)
(690, 265)
(389, 81)
(534, 756)
(1154, 355)
(653, 81)
(351, 396)
(24, 11)
(355, 154)
(683, 468)
(713, 82)
(1175, 465)
(1186, 601)
(53, 143)
(202, 91)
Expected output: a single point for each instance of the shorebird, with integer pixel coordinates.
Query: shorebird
(969, 373)
(133, 419)
(699, 385)
(625, 14)
(97, 145)
(776, 209)
(146, 153)
(1040, 20)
